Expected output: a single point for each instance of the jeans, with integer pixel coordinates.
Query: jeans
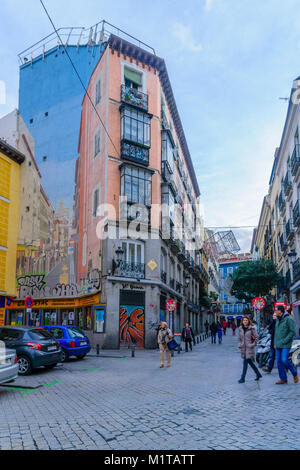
(188, 341)
(213, 337)
(282, 358)
(245, 367)
(271, 359)
(220, 339)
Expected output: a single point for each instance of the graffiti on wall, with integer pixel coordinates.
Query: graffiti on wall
(132, 325)
(35, 286)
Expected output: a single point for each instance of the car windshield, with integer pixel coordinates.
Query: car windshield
(39, 334)
(75, 332)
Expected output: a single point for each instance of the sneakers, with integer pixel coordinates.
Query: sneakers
(267, 371)
(281, 382)
(296, 380)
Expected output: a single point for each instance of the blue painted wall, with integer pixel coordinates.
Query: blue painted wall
(52, 86)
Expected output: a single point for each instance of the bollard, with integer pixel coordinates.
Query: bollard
(133, 351)
(98, 349)
(198, 341)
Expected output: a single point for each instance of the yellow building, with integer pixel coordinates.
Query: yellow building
(10, 162)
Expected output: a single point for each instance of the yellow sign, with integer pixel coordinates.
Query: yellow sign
(58, 303)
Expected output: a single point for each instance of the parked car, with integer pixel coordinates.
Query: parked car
(34, 346)
(72, 340)
(9, 366)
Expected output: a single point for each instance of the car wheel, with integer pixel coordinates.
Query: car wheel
(51, 366)
(25, 365)
(82, 356)
(64, 355)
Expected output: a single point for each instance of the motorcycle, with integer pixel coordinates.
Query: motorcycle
(263, 348)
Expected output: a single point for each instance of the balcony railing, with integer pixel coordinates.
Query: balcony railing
(163, 277)
(289, 229)
(295, 160)
(178, 287)
(281, 201)
(296, 270)
(135, 153)
(134, 97)
(296, 214)
(287, 184)
(136, 270)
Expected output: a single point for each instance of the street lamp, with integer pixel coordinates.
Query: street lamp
(115, 264)
(187, 280)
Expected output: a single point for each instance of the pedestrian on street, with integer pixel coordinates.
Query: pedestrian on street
(233, 326)
(247, 341)
(285, 331)
(220, 334)
(164, 336)
(271, 329)
(206, 324)
(224, 326)
(188, 336)
(213, 331)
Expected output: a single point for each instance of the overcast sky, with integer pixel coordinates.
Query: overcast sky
(229, 61)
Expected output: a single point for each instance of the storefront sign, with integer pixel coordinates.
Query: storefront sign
(171, 305)
(57, 303)
(132, 287)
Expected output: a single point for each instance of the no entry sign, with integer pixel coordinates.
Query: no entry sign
(171, 305)
(258, 303)
(29, 302)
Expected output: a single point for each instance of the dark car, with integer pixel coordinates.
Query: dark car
(72, 340)
(35, 347)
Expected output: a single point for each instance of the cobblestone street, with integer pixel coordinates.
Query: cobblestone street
(128, 403)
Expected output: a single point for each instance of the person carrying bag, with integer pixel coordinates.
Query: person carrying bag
(164, 338)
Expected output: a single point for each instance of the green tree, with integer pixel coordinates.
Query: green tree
(254, 279)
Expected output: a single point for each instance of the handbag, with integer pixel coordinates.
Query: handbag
(252, 338)
(172, 344)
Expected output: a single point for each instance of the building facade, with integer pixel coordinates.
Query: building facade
(126, 171)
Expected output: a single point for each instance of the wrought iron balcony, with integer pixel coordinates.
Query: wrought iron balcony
(135, 153)
(296, 270)
(287, 184)
(281, 202)
(163, 277)
(134, 97)
(283, 242)
(296, 214)
(178, 287)
(295, 160)
(136, 270)
(289, 229)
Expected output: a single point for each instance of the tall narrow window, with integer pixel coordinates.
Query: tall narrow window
(97, 143)
(95, 202)
(98, 92)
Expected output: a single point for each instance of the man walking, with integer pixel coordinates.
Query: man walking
(285, 332)
(187, 336)
(271, 329)
(213, 331)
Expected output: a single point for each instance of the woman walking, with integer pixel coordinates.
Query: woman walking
(233, 326)
(247, 341)
(164, 336)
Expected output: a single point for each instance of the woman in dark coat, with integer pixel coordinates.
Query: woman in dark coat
(247, 341)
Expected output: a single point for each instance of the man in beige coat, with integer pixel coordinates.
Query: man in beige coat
(164, 336)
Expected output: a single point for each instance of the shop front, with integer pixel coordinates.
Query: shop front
(85, 312)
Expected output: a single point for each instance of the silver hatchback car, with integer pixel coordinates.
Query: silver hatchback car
(9, 366)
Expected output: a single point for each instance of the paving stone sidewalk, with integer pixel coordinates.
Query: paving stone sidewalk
(124, 403)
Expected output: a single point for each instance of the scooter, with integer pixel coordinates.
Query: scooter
(294, 355)
(263, 348)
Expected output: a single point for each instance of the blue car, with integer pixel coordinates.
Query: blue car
(72, 340)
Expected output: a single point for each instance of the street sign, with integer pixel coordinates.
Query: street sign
(171, 305)
(258, 303)
(29, 302)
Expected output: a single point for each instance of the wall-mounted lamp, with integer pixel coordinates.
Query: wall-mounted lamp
(187, 280)
(292, 255)
(116, 263)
